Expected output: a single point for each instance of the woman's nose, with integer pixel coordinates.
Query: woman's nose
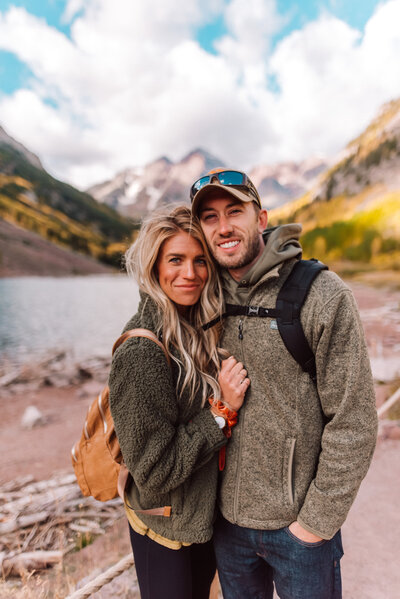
(188, 271)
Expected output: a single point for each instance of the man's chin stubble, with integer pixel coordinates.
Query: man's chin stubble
(250, 254)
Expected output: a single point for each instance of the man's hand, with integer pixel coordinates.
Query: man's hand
(301, 533)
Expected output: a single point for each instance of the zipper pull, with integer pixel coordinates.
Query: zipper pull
(240, 330)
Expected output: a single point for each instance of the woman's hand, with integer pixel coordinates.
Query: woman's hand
(233, 381)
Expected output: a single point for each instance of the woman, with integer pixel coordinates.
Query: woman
(169, 436)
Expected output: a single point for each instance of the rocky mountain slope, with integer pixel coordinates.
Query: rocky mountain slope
(35, 201)
(283, 182)
(353, 214)
(137, 191)
(6, 140)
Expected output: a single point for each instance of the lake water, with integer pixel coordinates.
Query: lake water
(80, 315)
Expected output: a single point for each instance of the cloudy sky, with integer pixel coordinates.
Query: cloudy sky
(94, 86)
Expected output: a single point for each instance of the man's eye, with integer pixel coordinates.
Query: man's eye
(208, 217)
(235, 211)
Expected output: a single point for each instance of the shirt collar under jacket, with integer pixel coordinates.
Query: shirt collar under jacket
(281, 244)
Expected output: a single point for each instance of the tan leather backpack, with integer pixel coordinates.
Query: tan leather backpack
(96, 457)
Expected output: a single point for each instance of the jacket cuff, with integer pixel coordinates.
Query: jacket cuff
(323, 515)
(314, 531)
(205, 422)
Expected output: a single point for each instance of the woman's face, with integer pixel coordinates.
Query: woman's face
(182, 270)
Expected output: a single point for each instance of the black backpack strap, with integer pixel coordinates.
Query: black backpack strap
(236, 310)
(233, 310)
(289, 303)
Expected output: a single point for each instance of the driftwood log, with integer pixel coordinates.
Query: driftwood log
(41, 521)
(18, 564)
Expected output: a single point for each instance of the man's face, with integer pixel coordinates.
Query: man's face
(233, 231)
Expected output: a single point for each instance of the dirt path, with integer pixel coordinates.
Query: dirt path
(371, 536)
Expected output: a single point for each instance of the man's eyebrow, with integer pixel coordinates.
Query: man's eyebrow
(234, 203)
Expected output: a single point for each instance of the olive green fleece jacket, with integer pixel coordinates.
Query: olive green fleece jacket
(300, 450)
(169, 445)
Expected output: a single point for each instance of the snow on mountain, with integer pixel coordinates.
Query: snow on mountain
(136, 191)
(280, 183)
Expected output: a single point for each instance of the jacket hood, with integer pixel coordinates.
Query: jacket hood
(281, 244)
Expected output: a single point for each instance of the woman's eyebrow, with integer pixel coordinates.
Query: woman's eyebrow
(178, 255)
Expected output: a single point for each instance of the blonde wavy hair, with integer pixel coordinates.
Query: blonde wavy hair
(197, 349)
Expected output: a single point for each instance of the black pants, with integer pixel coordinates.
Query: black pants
(163, 573)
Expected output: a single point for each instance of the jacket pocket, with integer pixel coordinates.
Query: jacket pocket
(288, 470)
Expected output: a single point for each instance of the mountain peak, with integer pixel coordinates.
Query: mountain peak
(7, 140)
(209, 160)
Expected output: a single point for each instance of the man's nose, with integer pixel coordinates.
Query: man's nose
(225, 227)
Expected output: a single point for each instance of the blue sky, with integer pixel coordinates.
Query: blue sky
(355, 13)
(13, 72)
(250, 80)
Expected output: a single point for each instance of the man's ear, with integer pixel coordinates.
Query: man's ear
(262, 220)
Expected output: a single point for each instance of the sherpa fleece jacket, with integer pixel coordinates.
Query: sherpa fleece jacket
(169, 445)
(300, 450)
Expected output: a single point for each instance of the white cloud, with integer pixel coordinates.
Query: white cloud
(131, 84)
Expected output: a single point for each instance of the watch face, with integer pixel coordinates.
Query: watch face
(220, 421)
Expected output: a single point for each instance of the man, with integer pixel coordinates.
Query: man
(302, 447)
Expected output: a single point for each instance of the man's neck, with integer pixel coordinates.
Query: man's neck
(239, 273)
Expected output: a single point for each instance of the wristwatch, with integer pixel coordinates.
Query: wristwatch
(220, 420)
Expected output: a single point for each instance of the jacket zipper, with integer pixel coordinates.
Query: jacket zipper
(241, 421)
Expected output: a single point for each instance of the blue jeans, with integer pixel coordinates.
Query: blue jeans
(251, 561)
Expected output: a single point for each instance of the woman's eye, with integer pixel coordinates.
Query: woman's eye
(175, 260)
(201, 261)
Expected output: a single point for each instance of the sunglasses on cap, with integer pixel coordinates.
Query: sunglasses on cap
(227, 179)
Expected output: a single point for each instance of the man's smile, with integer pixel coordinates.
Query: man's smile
(226, 245)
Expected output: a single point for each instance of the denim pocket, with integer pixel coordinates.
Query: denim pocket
(303, 543)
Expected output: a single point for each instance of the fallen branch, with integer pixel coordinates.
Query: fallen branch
(34, 560)
(22, 522)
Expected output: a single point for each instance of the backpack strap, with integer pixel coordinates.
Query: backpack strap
(124, 472)
(140, 333)
(290, 300)
(237, 310)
